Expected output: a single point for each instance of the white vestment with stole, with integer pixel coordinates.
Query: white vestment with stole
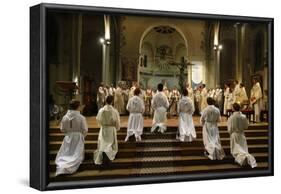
(211, 137)
(186, 127)
(236, 125)
(159, 104)
(71, 152)
(135, 123)
(109, 121)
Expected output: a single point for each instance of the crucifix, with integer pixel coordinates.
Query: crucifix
(182, 67)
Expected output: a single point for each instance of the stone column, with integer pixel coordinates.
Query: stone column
(76, 51)
(217, 49)
(106, 51)
(240, 41)
(266, 58)
(80, 24)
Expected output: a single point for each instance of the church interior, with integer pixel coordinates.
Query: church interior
(87, 49)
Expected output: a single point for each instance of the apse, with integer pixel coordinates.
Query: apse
(161, 48)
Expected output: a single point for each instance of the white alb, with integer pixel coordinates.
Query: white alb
(159, 104)
(135, 123)
(211, 137)
(109, 121)
(236, 125)
(186, 126)
(71, 152)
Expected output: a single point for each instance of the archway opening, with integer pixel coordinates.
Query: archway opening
(161, 47)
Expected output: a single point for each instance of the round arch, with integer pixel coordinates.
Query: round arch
(147, 30)
(150, 28)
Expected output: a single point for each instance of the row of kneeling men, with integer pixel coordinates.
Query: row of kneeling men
(71, 153)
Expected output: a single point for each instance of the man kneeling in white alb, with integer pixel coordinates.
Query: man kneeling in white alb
(185, 110)
(109, 121)
(159, 104)
(135, 124)
(71, 152)
(236, 125)
(211, 137)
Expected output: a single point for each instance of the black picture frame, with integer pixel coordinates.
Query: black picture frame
(39, 99)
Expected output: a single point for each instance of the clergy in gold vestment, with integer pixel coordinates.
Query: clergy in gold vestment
(256, 99)
(109, 121)
(119, 100)
(226, 95)
(204, 96)
(242, 96)
(236, 125)
(101, 95)
(131, 92)
(236, 92)
(174, 97)
(230, 99)
(190, 93)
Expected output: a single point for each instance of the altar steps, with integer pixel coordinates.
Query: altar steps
(159, 154)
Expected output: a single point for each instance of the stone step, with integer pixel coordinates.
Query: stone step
(165, 151)
(159, 154)
(121, 135)
(169, 128)
(55, 145)
(157, 171)
(149, 162)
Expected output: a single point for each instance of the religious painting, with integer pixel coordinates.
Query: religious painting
(123, 96)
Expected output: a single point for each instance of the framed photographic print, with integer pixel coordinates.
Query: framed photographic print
(125, 96)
